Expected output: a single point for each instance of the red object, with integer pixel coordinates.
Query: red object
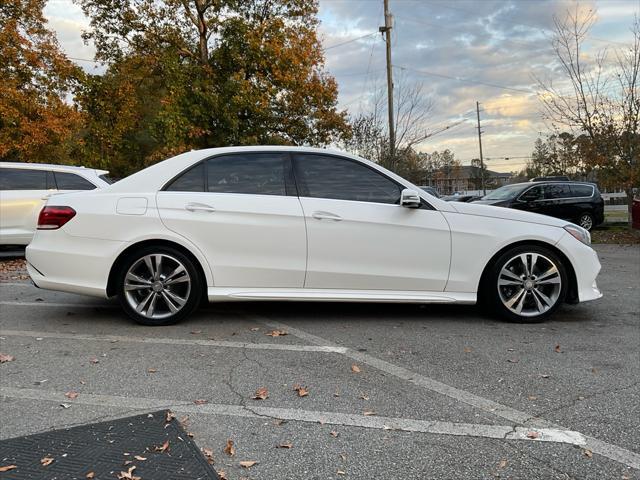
(52, 218)
(635, 213)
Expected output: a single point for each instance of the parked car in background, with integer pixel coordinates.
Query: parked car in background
(24, 187)
(461, 198)
(431, 191)
(553, 178)
(297, 223)
(578, 202)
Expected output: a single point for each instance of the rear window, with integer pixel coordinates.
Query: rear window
(71, 181)
(190, 181)
(582, 190)
(22, 179)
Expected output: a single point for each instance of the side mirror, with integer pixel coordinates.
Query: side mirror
(410, 199)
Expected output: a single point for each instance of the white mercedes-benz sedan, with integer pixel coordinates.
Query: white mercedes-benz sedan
(289, 223)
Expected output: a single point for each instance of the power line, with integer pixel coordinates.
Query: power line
(349, 41)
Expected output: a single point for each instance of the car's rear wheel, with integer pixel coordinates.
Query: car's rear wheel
(526, 284)
(586, 221)
(158, 286)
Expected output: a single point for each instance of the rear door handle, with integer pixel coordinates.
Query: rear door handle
(199, 207)
(326, 216)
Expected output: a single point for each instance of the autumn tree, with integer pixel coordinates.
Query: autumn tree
(203, 73)
(37, 122)
(602, 104)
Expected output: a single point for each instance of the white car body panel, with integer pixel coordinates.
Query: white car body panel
(19, 209)
(266, 247)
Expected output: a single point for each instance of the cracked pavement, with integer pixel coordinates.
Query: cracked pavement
(591, 386)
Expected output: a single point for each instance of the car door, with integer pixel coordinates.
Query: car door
(359, 237)
(242, 212)
(531, 200)
(558, 201)
(22, 194)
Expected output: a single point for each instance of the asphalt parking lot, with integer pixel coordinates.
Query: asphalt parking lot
(393, 391)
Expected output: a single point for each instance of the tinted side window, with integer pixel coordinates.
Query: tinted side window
(190, 181)
(251, 173)
(22, 179)
(322, 176)
(556, 191)
(581, 190)
(534, 193)
(71, 181)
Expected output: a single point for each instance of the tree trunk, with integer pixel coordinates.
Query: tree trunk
(629, 192)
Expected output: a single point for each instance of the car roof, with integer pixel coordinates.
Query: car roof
(53, 166)
(547, 182)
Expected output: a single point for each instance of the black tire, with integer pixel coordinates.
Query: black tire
(492, 295)
(586, 221)
(191, 294)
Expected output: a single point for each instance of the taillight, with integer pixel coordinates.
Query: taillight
(52, 218)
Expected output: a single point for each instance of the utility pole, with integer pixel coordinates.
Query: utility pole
(388, 20)
(484, 190)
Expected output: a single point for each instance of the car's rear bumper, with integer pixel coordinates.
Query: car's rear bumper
(586, 266)
(58, 261)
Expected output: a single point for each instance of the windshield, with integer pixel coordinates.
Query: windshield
(504, 193)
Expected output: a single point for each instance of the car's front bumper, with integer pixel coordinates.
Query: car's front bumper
(586, 266)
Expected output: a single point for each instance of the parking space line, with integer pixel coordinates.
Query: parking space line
(60, 305)
(502, 432)
(17, 284)
(173, 341)
(608, 450)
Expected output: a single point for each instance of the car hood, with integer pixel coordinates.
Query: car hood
(506, 213)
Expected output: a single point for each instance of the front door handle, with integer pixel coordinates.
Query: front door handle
(326, 216)
(199, 207)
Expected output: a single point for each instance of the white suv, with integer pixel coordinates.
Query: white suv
(24, 187)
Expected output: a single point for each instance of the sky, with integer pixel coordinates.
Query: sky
(458, 51)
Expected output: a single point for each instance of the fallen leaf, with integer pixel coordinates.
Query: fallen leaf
(65, 405)
(208, 453)
(200, 401)
(343, 457)
(196, 332)
(169, 416)
(513, 360)
(254, 329)
(229, 449)
(261, 394)
(140, 458)
(533, 434)
(5, 357)
(222, 475)
(532, 397)
(71, 395)
(162, 448)
(46, 461)
(468, 349)
(364, 397)
(248, 463)
(6, 468)
(279, 421)
(277, 333)
(285, 445)
(128, 475)
(369, 413)
(336, 394)
(544, 376)
(355, 368)
(341, 472)
(190, 435)
(302, 391)
(151, 370)
(502, 464)
(333, 433)
(90, 475)
(94, 360)
(587, 453)
(557, 349)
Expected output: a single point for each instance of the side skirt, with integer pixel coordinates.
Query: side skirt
(217, 294)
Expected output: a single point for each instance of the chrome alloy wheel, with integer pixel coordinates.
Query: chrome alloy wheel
(529, 284)
(586, 221)
(157, 286)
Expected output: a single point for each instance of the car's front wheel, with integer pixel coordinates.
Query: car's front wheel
(526, 284)
(158, 286)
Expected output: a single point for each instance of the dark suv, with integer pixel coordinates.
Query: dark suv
(577, 202)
